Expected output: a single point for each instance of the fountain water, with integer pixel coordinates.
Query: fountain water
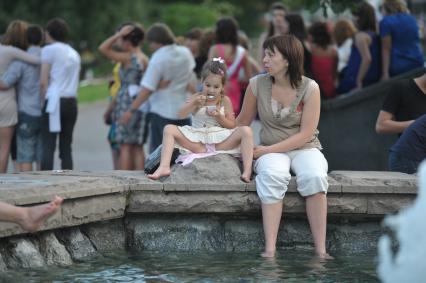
(407, 264)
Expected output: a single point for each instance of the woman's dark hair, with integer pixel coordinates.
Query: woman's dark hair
(57, 29)
(160, 33)
(35, 35)
(194, 33)
(296, 25)
(214, 67)
(320, 34)
(206, 42)
(227, 31)
(275, 6)
(366, 17)
(291, 49)
(136, 36)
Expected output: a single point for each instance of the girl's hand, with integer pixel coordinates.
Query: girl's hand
(199, 100)
(260, 150)
(214, 113)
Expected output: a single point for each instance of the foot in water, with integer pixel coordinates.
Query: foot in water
(268, 254)
(160, 172)
(33, 217)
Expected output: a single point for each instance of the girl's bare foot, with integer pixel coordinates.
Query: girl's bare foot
(160, 172)
(33, 217)
(268, 254)
(245, 177)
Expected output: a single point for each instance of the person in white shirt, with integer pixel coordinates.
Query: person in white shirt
(59, 83)
(174, 64)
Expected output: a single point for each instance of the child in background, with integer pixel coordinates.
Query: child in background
(213, 124)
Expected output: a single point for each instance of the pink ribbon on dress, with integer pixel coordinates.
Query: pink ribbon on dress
(189, 157)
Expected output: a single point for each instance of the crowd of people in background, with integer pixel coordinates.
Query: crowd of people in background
(46, 80)
(211, 77)
(147, 93)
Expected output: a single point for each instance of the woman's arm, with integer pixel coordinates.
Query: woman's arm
(193, 104)
(23, 56)
(308, 125)
(386, 51)
(227, 120)
(362, 42)
(106, 47)
(249, 108)
(248, 69)
(260, 54)
(212, 53)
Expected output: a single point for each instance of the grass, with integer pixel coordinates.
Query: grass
(92, 93)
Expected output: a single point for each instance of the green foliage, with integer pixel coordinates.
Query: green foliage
(183, 16)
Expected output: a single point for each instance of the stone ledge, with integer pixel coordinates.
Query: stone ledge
(97, 196)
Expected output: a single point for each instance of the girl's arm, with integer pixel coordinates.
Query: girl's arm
(106, 47)
(248, 110)
(227, 120)
(308, 125)
(362, 42)
(193, 104)
(386, 51)
(23, 56)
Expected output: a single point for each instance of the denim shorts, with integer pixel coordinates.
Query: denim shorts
(28, 138)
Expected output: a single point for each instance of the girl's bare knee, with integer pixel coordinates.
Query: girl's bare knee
(246, 131)
(170, 129)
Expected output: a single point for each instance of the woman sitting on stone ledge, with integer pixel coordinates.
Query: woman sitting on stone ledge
(29, 218)
(288, 105)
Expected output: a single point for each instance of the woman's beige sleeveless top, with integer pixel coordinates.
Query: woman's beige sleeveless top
(280, 123)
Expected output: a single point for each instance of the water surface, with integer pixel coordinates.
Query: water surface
(289, 266)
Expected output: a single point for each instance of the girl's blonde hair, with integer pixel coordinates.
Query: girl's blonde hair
(343, 29)
(16, 34)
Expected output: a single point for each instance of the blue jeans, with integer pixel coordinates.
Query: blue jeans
(402, 164)
(28, 138)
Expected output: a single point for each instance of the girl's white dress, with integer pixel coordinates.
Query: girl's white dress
(207, 130)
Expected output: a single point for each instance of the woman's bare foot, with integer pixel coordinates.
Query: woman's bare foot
(160, 172)
(33, 217)
(324, 256)
(246, 177)
(268, 254)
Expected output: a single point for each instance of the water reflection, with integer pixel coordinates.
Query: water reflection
(289, 266)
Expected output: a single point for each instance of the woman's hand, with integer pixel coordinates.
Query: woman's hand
(126, 30)
(107, 116)
(125, 118)
(260, 150)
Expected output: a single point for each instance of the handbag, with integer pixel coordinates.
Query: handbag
(154, 159)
